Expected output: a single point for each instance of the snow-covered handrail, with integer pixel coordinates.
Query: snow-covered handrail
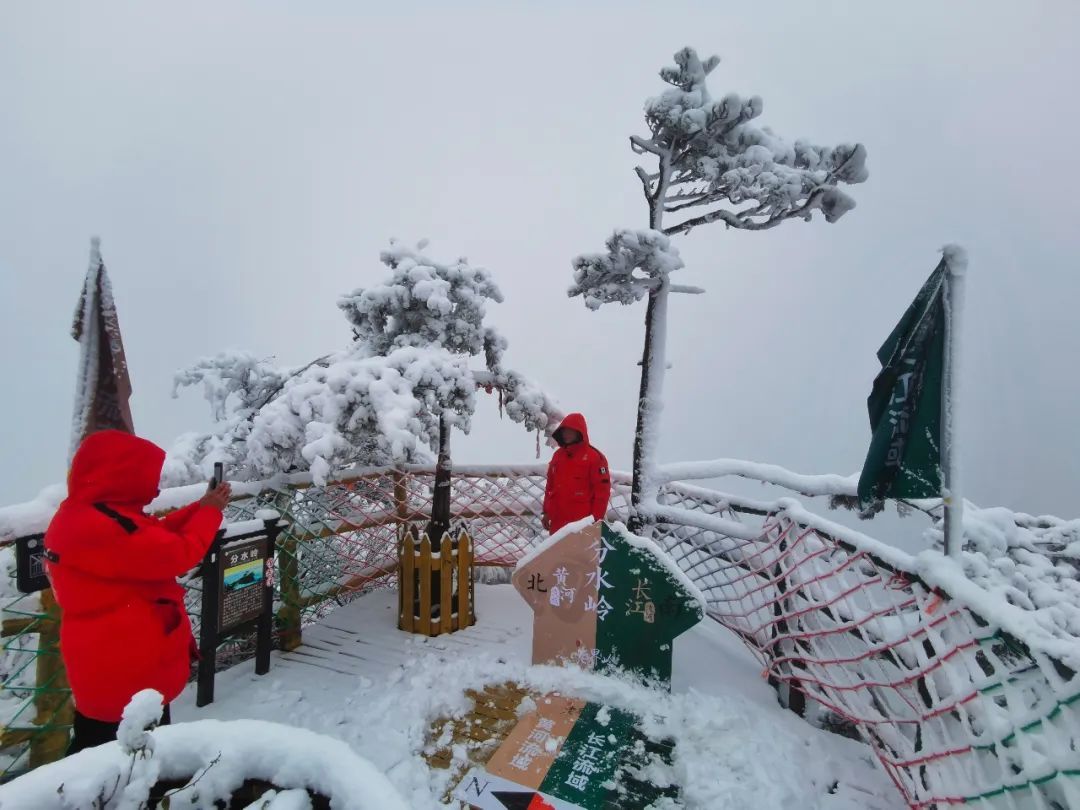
(812, 485)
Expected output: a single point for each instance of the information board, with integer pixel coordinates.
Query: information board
(243, 576)
(237, 598)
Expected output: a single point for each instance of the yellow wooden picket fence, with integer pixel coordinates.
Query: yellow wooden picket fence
(444, 577)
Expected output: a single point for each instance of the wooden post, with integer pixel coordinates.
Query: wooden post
(465, 585)
(288, 566)
(289, 612)
(789, 693)
(401, 501)
(470, 577)
(407, 579)
(425, 585)
(446, 585)
(427, 582)
(52, 701)
(264, 640)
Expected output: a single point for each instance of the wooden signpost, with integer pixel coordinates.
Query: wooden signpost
(605, 599)
(237, 597)
(602, 599)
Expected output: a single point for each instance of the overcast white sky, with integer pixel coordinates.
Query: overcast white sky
(245, 165)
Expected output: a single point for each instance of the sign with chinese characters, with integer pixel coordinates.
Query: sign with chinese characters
(568, 755)
(561, 587)
(243, 569)
(532, 747)
(237, 597)
(602, 598)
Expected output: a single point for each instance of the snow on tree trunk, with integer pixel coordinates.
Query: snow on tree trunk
(650, 404)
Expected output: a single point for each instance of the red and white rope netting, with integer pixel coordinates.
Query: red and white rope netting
(956, 710)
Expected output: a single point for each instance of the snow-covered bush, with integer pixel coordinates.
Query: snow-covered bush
(202, 764)
(713, 164)
(379, 400)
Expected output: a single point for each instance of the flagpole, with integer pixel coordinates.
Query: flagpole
(951, 494)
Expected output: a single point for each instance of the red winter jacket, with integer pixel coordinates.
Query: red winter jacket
(578, 481)
(113, 570)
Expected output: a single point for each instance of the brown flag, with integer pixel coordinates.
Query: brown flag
(103, 387)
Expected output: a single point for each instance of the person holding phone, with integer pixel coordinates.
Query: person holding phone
(113, 571)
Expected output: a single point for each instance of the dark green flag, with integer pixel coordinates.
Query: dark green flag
(904, 460)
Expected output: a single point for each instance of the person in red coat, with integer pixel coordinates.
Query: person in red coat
(113, 571)
(578, 480)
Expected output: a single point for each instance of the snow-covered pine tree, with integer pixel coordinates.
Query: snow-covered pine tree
(713, 164)
(378, 401)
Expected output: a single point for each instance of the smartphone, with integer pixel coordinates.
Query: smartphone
(219, 475)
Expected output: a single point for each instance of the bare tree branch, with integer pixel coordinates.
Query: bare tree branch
(646, 184)
(639, 145)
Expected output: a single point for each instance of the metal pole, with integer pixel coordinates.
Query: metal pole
(951, 494)
(209, 619)
(264, 639)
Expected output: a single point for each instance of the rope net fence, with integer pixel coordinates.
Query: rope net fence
(956, 710)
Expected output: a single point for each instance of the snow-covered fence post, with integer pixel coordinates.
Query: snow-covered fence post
(789, 690)
(401, 500)
(53, 709)
(711, 157)
(288, 615)
(952, 495)
(287, 548)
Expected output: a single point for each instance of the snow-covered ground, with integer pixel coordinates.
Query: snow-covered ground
(358, 679)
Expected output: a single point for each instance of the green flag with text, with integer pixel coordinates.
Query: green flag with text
(904, 460)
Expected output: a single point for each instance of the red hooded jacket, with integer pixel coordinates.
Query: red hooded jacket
(113, 570)
(578, 480)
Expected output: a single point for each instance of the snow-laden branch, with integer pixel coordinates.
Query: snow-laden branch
(635, 263)
(380, 400)
(522, 399)
(751, 177)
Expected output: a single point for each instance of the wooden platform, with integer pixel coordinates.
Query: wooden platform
(352, 678)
